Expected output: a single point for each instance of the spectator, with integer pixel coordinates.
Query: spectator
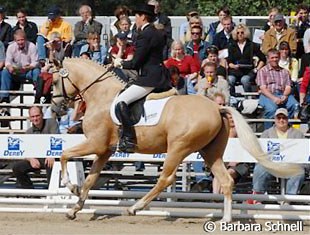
(123, 50)
(196, 47)
(306, 41)
(280, 32)
(275, 86)
(302, 23)
(83, 27)
(287, 61)
(6, 29)
(3, 112)
(185, 25)
(161, 18)
(271, 14)
(213, 56)
(23, 167)
(217, 26)
(210, 84)
(58, 49)
(2, 57)
(224, 38)
(240, 59)
(29, 27)
(219, 98)
(304, 93)
(185, 63)
(21, 63)
(281, 130)
(124, 25)
(177, 81)
(291, 64)
(193, 22)
(305, 60)
(119, 12)
(94, 49)
(64, 117)
(55, 23)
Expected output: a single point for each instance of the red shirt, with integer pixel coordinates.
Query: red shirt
(128, 51)
(196, 52)
(305, 81)
(186, 66)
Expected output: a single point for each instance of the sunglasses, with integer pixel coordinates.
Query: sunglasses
(240, 33)
(195, 33)
(282, 117)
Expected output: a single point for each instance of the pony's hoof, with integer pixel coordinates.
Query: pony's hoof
(131, 211)
(76, 190)
(70, 216)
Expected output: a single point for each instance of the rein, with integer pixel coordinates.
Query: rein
(65, 74)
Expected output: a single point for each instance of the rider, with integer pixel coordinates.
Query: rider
(148, 61)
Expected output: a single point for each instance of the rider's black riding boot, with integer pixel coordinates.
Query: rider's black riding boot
(127, 133)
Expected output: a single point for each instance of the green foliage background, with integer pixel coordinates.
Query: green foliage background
(170, 7)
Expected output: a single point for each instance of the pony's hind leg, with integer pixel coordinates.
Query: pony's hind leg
(89, 182)
(212, 155)
(226, 181)
(166, 178)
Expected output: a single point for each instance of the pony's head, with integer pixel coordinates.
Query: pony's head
(64, 90)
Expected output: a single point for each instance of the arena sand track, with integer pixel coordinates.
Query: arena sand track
(52, 223)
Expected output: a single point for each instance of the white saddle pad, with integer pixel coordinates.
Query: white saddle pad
(153, 110)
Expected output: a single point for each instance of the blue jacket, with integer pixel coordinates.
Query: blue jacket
(202, 50)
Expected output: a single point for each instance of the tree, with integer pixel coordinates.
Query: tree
(169, 7)
(247, 7)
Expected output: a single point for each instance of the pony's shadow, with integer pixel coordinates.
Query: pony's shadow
(97, 216)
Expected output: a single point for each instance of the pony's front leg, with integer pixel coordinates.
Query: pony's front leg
(65, 180)
(88, 184)
(83, 149)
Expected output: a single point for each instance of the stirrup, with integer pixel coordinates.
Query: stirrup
(126, 146)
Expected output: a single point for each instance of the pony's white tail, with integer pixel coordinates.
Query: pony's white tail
(250, 143)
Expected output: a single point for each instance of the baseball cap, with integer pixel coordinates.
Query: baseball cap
(2, 9)
(53, 12)
(192, 13)
(278, 17)
(281, 111)
(121, 35)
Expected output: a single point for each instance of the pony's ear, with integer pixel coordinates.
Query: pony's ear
(57, 63)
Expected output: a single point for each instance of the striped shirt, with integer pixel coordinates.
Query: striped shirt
(274, 79)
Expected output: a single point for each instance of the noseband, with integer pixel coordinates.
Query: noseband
(64, 74)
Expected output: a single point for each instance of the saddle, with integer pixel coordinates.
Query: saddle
(146, 108)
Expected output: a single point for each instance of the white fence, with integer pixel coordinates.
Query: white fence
(57, 198)
(41, 146)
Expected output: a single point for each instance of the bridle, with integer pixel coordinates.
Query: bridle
(64, 74)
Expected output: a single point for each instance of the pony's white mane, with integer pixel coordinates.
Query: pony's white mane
(95, 65)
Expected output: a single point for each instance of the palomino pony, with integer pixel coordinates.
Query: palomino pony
(188, 124)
